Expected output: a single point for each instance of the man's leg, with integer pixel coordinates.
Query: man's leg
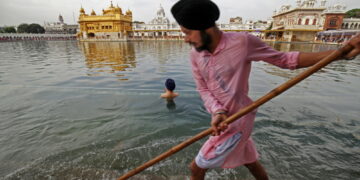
(257, 170)
(197, 173)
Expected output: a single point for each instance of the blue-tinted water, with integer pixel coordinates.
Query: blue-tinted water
(71, 110)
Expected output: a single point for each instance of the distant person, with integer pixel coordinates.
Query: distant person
(221, 65)
(169, 90)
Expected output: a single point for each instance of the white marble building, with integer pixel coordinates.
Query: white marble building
(311, 15)
(158, 27)
(161, 27)
(351, 23)
(60, 27)
(305, 15)
(248, 25)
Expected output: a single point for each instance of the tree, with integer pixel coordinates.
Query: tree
(36, 28)
(23, 28)
(354, 13)
(10, 29)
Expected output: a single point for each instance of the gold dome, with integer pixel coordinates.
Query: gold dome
(118, 9)
(128, 12)
(93, 13)
(82, 11)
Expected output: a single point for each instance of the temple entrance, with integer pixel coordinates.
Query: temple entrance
(91, 35)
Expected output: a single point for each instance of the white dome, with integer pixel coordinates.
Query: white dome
(160, 17)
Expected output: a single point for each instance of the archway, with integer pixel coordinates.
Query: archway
(91, 35)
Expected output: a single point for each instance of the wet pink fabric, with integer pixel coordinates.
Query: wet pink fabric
(222, 81)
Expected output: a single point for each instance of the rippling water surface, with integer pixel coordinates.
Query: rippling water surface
(71, 110)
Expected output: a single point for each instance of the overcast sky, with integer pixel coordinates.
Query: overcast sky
(14, 12)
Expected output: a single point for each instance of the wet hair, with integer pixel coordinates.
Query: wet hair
(170, 84)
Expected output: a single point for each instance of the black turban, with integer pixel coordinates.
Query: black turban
(196, 14)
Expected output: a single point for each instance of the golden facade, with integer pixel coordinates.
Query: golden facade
(111, 25)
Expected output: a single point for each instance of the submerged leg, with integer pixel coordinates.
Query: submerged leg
(257, 170)
(197, 173)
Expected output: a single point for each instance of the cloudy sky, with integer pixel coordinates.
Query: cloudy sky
(14, 12)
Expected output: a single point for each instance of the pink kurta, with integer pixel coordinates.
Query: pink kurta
(222, 81)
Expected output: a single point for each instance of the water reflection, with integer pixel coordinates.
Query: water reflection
(286, 47)
(163, 51)
(51, 115)
(302, 47)
(109, 57)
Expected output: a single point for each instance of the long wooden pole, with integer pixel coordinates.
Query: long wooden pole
(275, 92)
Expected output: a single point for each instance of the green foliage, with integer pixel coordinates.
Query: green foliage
(9, 29)
(30, 28)
(23, 28)
(354, 13)
(36, 28)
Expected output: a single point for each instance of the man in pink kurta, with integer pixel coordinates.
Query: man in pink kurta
(222, 78)
(221, 64)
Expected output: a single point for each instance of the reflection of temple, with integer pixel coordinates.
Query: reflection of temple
(111, 25)
(109, 57)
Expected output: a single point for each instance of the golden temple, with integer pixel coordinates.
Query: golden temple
(111, 25)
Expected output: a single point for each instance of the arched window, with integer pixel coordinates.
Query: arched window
(333, 22)
(314, 22)
(307, 22)
(299, 22)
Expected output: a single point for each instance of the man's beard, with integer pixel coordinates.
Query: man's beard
(205, 40)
